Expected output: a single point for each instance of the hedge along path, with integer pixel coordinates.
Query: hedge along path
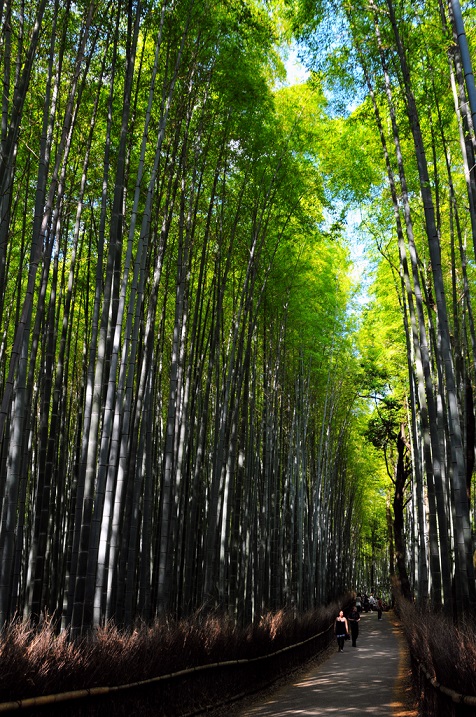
(72, 695)
(456, 697)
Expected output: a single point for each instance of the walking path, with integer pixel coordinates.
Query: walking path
(363, 680)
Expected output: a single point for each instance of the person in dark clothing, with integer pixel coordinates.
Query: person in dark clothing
(354, 619)
(379, 608)
(341, 629)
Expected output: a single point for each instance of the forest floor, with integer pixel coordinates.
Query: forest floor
(374, 678)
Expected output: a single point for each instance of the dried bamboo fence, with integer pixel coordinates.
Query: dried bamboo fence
(438, 700)
(187, 692)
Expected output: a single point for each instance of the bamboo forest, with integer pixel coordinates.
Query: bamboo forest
(237, 334)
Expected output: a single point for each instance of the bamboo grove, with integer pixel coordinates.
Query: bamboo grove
(177, 375)
(413, 64)
(195, 413)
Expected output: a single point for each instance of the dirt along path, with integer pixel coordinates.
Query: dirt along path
(370, 679)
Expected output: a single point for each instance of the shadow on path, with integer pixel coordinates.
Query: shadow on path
(362, 680)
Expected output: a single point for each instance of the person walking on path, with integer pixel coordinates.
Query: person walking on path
(352, 685)
(341, 629)
(354, 619)
(379, 608)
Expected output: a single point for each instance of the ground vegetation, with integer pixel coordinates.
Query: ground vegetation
(204, 664)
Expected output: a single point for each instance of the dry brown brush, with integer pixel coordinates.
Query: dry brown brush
(38, 661)
(441, 652)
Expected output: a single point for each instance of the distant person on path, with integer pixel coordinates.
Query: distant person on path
(341, 629)
(354, 619)
(379, 608)
(358, 603)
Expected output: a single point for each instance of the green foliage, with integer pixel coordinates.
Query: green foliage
(383, 427)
